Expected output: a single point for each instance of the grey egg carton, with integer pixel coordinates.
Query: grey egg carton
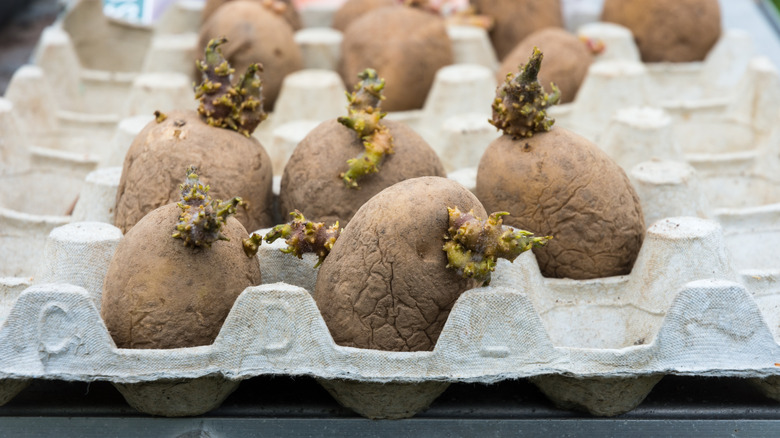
(598, 345)
(701, 299)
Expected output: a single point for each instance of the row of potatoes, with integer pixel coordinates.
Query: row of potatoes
(397, 241)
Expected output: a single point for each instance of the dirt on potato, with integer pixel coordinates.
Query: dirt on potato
(254, 35)
(408, 46)
(566, 60)
(152, 171)
(385, 284)
(668, 30)
(354, 9)
(159, 293)
(558, 183)
(516, 19)
(290, 14)
(311, 182)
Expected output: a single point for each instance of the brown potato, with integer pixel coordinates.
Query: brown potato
(290, 14)
(153, 167)
(385, 284)
(159, 293)
(354, 9)
(668, 30)
(254, 34)
(408, 46)
(566, 60)
(558, 183)
(516, 19)
(311, 182)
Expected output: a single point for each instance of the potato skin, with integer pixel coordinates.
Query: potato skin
(385, 284)
(516, 19)
(158, 293)
(405, 45)
(311, 182)
(156, 161)
(558, 183)
(668, 30)
(254, 34)
(354, 9)
(290, 14)
(566, 60)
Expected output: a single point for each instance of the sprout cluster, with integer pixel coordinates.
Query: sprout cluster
(238, 107)
(201, 219)
(365, 119)
(473, 246)
(305, 237)
(520, 107)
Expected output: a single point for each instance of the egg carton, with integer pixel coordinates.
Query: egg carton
(598, 345)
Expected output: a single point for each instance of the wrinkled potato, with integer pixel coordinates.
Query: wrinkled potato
(311, 182)
(558, 183)
(516, 19)
(668, 30)
(159, 293)
(238, 165)
(354, 9)
(385, 284)
(566, 60)
(254, 34)
(406, 44)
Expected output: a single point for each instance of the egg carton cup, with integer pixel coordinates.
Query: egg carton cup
(598, 345)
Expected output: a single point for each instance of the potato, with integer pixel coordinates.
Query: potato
(566, 61)
(159, 293)
(516, 19)
(235, 164)
(285, 8)
(668, 30)
(354, 9)
(554, 182)
(385, 284)
(406, 44)
(255, 35)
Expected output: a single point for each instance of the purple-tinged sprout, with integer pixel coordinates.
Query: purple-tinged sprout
(201, 218)
(520, 106)
(473, 246)
(222, 104)
(304, 236)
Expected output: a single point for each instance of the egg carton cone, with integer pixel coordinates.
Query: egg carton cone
(598, 345)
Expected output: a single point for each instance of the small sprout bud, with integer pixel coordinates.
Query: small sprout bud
(238, 107)
(520, 107)
(305, 236)
(252, 244)
(159, 116)
(365, 119)
(473, 246)
(201, 219)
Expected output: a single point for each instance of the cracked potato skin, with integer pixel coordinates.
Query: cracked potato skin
(668, 30)
(566, 60)
(159, 293)
(516, 19)
(311, 182)
(152, 170)
(255, 35)
(406, 45)
(385, 284)
(558, 183)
